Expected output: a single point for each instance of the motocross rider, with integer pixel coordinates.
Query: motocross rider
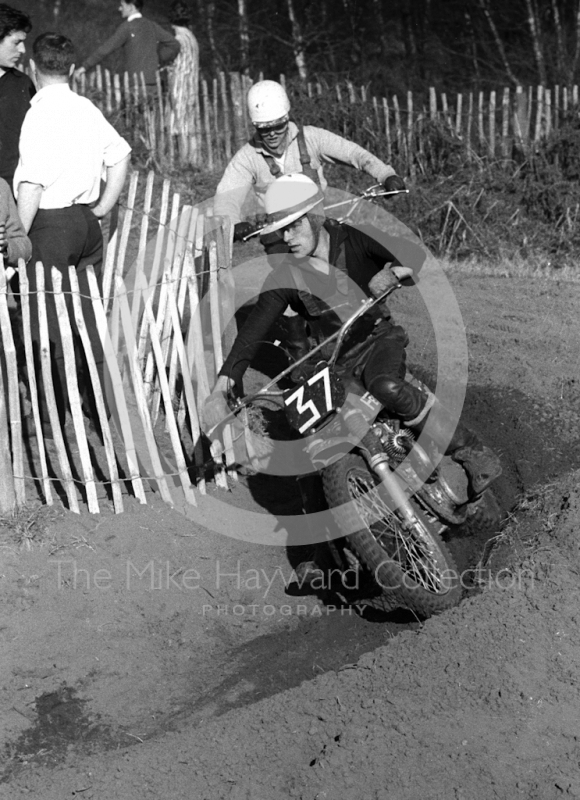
(323, 254)
(279, 147)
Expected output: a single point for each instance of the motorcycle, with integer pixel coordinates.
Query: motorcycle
(393, 503)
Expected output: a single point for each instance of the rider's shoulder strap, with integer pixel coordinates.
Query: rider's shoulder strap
(305, 158)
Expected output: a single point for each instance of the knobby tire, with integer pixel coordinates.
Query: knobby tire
(397, 559)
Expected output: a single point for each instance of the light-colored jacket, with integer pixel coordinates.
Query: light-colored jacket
(248, 175)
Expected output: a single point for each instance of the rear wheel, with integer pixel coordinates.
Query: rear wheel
(412, 567)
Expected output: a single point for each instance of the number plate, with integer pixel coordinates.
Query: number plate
(313, 400)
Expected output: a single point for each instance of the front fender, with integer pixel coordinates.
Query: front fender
(324, 452)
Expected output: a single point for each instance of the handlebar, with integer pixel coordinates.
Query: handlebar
(371, 193)
(339, 335)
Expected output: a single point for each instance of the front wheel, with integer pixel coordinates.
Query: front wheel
(413, 567)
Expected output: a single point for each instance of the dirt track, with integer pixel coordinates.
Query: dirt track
(137, 685)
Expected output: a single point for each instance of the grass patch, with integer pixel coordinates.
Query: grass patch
(535, 269)
(29, 527)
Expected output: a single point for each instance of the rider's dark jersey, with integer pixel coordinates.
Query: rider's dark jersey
(351, 250)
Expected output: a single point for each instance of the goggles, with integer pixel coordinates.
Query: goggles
(277, 127)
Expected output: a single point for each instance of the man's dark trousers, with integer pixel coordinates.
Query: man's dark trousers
(60, 238)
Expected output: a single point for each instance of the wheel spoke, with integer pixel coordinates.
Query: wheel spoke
(409, 552)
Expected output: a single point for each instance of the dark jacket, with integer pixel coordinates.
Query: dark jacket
(16, 90)
(141, 40)
(362, 257)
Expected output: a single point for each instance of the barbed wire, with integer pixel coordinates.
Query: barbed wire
(129, 292)
(129, 479)
(167, 224)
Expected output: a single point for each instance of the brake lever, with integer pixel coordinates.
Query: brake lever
(385, 193)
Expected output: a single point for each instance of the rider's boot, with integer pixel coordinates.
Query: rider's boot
(458, 441)
(416, 406)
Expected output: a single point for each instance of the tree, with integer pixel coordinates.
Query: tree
(485, 7)
(533, 23)
(297, 42)
(244, 37)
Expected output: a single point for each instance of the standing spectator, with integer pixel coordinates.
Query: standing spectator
(65, 146)
(16, 88)
(146, 45)
(184, 76)
(14, 243)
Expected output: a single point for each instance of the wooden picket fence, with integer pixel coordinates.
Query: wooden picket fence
(149, 319)
(486, 124)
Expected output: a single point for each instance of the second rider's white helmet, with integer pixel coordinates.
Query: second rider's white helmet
(268, 104)
(290, 197)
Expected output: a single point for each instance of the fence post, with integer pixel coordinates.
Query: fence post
(491, 143)
(459, 115)
(216, 330)
(539, 113)
(446, 118)
(68, 348)
(216, 126)
(97, 393)
(400, 137)
(387, 128)
(505, 117)
(432, 103)
(238, 106)
(7, 492)
(7, 495)
(521, 117)
(49, 395)
(13, 391)
(480, 121)
(226, 110)
(118, 400)
(108, 92)
(410, 142)
(377, 117)
(32, 384)
(469, 124)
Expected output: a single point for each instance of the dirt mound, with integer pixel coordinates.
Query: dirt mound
(481, 702)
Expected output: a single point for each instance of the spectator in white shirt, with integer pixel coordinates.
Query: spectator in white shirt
(66, 147)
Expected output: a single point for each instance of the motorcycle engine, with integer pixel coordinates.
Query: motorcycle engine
(453, 481)
(397, 442)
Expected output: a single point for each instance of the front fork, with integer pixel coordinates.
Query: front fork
(378, 461)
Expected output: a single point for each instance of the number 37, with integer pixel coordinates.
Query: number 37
(307, 404)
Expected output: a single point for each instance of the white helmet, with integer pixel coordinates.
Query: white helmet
(268, 104)
(288, 198)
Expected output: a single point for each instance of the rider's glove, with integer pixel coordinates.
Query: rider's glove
(215, 409)
(394, 184)
(242, 229)
(380, 282)
(402, 273)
